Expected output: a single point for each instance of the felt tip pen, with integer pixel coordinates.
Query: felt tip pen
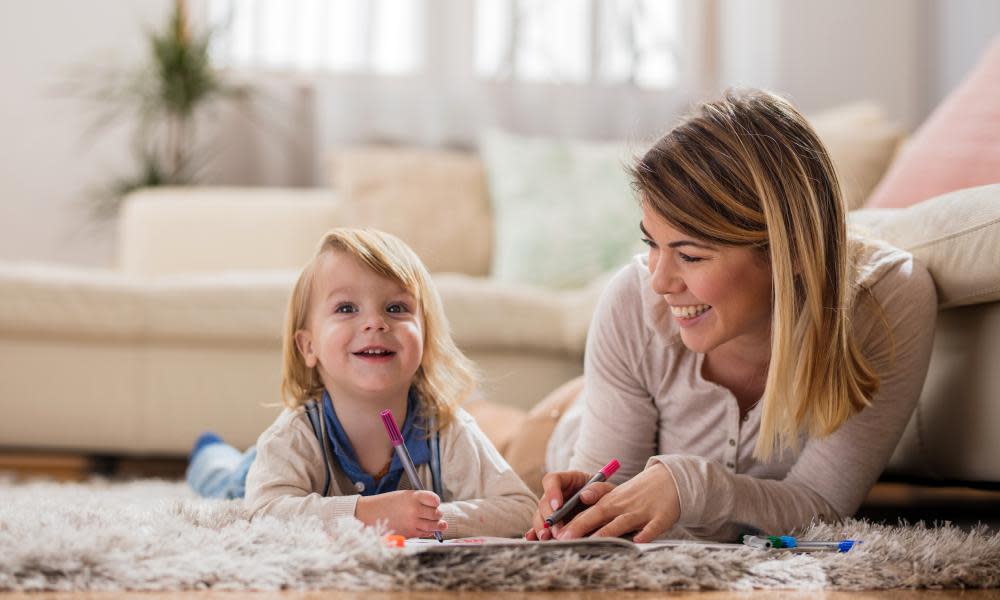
(404, 455)
(602, 475)
(789, 542)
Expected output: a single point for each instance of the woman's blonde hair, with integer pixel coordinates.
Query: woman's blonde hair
(445, 377)
(748, 170)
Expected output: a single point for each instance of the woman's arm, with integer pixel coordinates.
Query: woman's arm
(487, 496)
(620, 418)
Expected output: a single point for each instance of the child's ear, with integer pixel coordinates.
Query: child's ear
(304, 342)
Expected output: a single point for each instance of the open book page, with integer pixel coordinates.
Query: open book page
(589, 546)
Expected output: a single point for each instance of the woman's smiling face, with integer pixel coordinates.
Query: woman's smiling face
(718, 295)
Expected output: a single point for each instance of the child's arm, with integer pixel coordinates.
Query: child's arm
(286, 478)
(487, 497)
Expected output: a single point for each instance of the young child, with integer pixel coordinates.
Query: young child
(365, 331)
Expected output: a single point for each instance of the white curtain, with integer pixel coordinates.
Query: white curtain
(440, 72)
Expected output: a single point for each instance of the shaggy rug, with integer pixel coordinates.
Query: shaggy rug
(154, 535)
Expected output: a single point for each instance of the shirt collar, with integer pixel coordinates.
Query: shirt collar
(415, 439)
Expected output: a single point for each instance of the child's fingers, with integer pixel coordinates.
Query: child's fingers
(428, 513)
(428, 528)
(427, 498)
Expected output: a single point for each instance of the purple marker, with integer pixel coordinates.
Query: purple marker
(404, 455)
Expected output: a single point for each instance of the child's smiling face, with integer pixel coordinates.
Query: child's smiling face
(363, 331)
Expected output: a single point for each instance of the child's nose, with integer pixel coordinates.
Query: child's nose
(376, 323)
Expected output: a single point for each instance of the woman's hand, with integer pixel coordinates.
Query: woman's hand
(410, 513)
(647, 503)
(556, 488)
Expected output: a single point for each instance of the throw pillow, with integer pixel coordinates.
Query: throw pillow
(861, 142)
(958, 146)
(434, 200)
(564, 211)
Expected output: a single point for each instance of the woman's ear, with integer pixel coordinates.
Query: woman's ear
(304, 343)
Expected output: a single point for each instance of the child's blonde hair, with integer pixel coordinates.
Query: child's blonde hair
(748, 170)
(445, 377)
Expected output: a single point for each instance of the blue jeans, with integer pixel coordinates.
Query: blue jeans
(220, 471)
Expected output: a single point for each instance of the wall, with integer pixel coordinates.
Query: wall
(47, 166)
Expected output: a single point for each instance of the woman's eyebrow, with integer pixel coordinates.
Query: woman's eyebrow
(678, 243)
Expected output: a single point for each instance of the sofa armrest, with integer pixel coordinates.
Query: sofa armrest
(175, 230)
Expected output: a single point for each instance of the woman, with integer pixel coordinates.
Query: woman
(757, 368)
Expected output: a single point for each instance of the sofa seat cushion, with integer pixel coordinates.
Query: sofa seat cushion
(249, 307)
(484, 313)
(956, 236)
(65, 301)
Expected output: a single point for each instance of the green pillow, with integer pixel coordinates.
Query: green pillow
(564, 211)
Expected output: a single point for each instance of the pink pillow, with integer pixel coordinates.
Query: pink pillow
(958, 146)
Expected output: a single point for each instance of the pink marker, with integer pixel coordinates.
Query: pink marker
(602, 475)
(396, 437)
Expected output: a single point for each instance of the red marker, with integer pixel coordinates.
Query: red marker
(602, 475)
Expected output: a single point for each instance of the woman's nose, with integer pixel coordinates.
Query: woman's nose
(663, 280)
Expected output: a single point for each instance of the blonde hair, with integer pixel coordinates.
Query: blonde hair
(445, 376)
(748, 170)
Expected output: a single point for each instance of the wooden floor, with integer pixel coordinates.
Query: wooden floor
(893, 499)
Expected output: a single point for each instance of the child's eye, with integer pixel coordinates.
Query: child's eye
(396, 308)
(690, 259)
(346, 308)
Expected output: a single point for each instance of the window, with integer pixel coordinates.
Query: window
(381, 37)
(585, 42)
(580, 41)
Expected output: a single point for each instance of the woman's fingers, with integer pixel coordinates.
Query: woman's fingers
(556, 486)
(595, 491)
(620, 525)
(651, 531)
(584, 523)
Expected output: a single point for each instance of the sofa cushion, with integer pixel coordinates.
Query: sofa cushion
(173, 230)
(564, 210)
(861, 142)
(249, 307)
(434, 200)
(957, 147)
(956, 236)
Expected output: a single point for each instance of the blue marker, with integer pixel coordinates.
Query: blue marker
(788, 542)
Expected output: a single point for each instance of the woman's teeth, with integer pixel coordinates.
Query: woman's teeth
(689, 312)
(373, 352)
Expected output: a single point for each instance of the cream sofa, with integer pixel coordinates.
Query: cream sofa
(184, 334)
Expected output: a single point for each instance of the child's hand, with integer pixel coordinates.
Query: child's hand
(411, 513)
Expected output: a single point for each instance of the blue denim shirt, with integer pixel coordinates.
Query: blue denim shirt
(414, 437)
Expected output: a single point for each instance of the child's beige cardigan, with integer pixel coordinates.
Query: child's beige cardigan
(482, 494)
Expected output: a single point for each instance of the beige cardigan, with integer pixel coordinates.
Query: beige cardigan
(482, 494)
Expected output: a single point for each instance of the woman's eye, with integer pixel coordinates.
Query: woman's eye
(346, 308)
(649, 242)
(690, 259)
(396, 308)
